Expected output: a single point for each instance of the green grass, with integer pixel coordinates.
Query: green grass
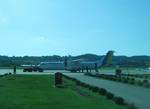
(37, 92)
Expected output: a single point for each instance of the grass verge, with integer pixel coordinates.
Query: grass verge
(37, 92)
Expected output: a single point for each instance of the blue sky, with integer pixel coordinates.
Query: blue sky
(62, 27)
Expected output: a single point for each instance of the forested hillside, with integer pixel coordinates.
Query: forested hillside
(134, 61)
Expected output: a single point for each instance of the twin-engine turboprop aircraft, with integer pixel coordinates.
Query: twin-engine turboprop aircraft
(73, 65)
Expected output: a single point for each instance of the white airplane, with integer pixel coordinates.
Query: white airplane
(77, 65)
(52, 65)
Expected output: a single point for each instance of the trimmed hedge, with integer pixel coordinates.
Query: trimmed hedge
(132, 79)
(109, 95)
(95, 89)
(90, 87)
(129, 79)
(139, 83)
(102, 91)
(131, 82)
(125, 81)
(119, 100)
(147, 85)
(145, 81)
(6, 74)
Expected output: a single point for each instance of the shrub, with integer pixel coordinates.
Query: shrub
(141, 76)
(132, 79)
(145, 81)
(83, 84)
(114, 79)
(132, 106)
(131, 82)
(136, 75)
(6, 74)
(146, 76)
(86, 85)
(119, 100)
(146, 85)
(110, 77)
(90, 87)
(102, 91)
(125, 81)
(78, 83)
(86, 74)
(132, 75)
(118, 71)
(109, 95)
(119, 79)
(139, 83)
(128, 78)
(128, 74)
(73, 79)
(95, 89)
(123, 77)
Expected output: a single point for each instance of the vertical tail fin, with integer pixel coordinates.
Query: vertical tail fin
(108, 59)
